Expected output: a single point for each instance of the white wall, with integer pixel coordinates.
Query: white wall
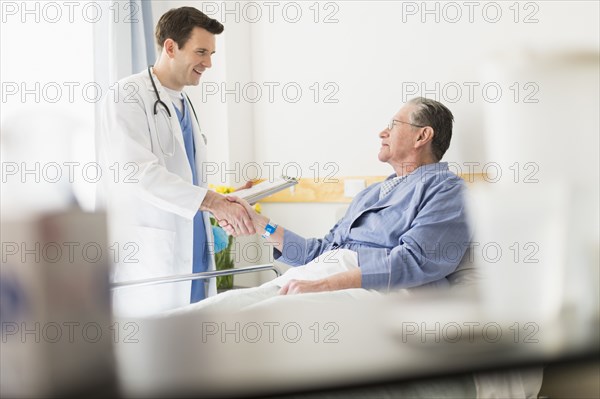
(370, 53)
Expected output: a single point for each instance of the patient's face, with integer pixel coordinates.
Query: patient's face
(397, 144)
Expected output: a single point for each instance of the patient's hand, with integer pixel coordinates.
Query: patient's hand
(340, 281)
(259, 221)
(304, 286)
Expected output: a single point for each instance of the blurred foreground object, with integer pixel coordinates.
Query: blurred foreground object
(55, 305)
(542, 207)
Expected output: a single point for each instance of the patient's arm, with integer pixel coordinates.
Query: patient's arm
(340, 281)
(259, 221)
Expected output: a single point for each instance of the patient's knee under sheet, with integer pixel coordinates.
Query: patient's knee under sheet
(230, 301)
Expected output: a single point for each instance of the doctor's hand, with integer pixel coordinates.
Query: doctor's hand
(228, 213)
(258, 221)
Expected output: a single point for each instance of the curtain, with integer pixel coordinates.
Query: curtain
(123, 40)
(123, 45)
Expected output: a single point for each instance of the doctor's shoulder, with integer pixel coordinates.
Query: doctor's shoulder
(129, 90)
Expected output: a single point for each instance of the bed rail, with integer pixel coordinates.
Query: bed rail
(195, 276)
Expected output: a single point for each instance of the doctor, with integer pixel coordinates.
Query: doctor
(151, 145)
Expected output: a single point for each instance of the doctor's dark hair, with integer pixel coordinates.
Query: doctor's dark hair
(178, 23)
(438, 116)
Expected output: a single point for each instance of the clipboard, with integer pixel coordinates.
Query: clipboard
(265, 189)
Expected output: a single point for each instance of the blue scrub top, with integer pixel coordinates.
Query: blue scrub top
(200, 257)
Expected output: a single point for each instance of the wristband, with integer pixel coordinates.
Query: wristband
(269, 229)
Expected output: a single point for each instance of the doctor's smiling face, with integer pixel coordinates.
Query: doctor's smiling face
(189, 62)
(186, 38)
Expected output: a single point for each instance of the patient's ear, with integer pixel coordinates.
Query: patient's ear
(425, 136)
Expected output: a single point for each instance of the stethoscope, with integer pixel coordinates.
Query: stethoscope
(160, 103)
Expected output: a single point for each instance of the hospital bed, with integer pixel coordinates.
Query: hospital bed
(179, 370)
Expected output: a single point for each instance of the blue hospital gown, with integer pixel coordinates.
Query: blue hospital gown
(415, 235)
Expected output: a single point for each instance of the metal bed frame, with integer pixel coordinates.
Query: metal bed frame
(195, 276)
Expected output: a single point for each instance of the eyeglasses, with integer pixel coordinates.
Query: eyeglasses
(390, 125)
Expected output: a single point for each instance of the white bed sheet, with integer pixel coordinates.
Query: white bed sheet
(512, 383)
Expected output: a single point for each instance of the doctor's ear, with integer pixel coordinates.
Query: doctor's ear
(169, 47)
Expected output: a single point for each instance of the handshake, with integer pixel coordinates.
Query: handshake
(234, 214)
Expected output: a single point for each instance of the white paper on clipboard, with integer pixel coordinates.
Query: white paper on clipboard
(265, 189)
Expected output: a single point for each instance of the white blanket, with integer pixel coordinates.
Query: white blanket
(325, 265)
(328, 264)
(511, 383)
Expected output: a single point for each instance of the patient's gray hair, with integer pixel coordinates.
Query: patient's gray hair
(438, 116)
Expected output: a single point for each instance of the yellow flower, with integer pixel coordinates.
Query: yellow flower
(222, 189)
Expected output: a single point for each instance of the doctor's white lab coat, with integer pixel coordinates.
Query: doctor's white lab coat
(148, 192)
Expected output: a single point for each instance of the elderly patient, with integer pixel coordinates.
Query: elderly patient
(407, 231)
